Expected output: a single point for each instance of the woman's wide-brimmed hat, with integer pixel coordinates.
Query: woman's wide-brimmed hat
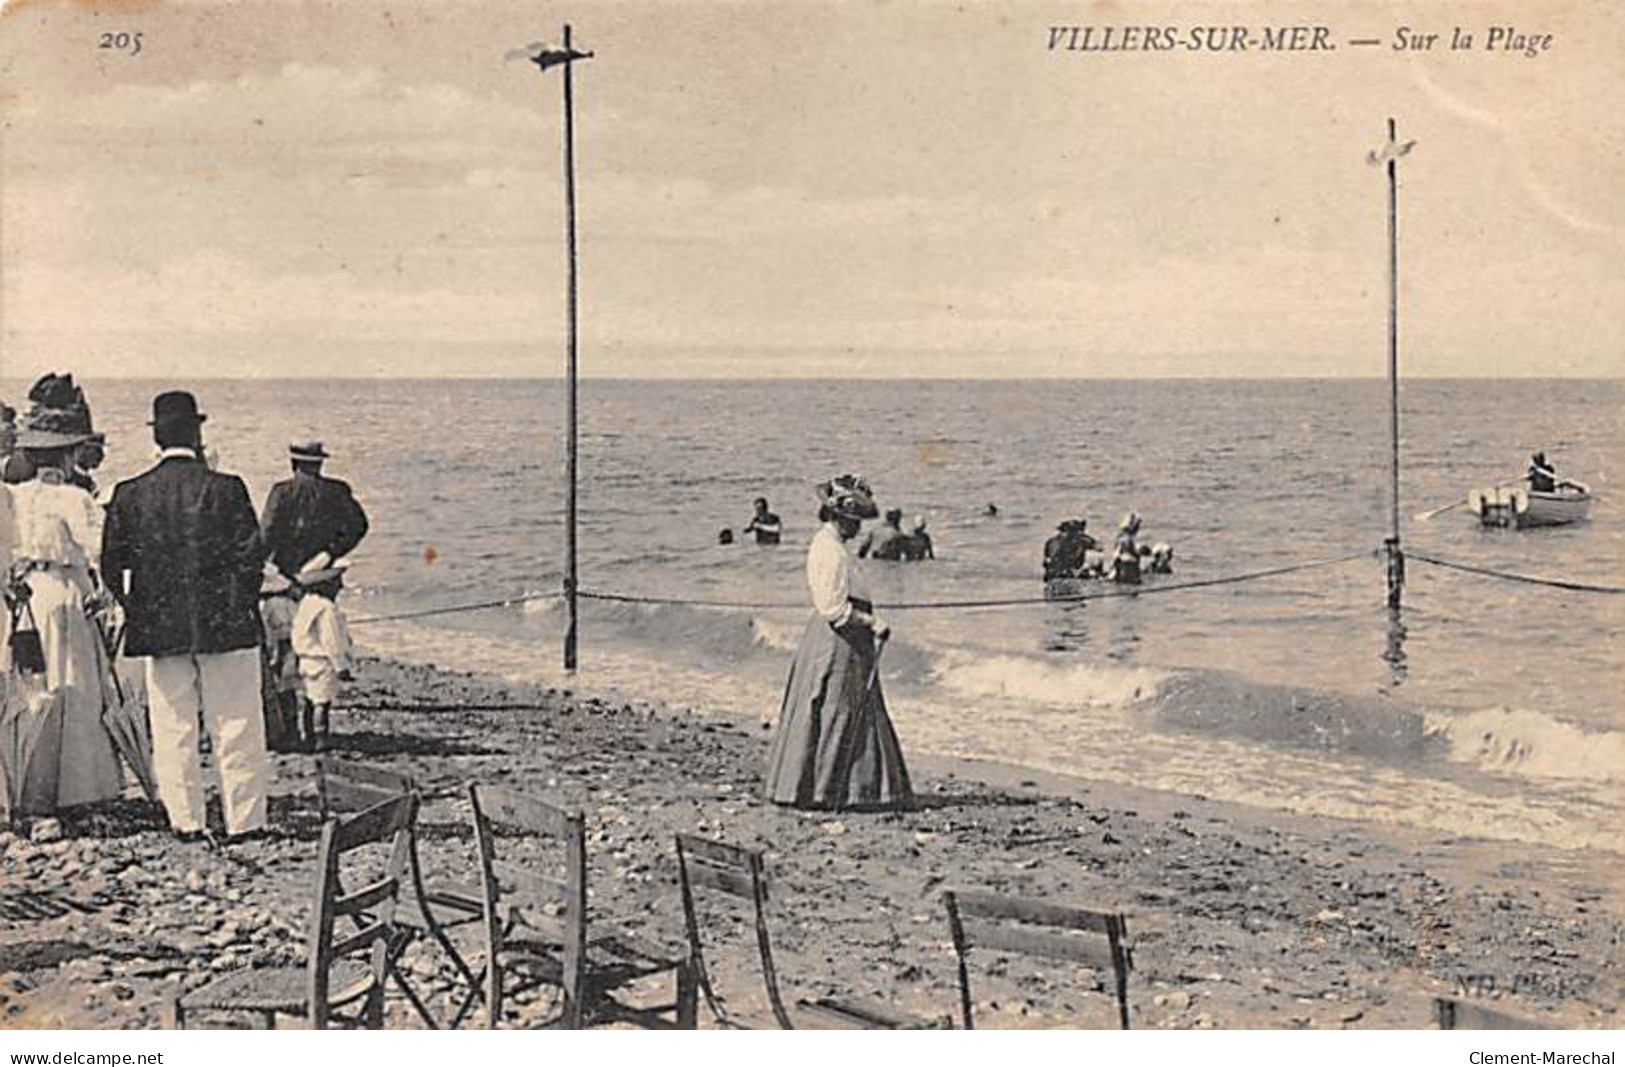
(58, 391)
(54, 428)
(848, 496)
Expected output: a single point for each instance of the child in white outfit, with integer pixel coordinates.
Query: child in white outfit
(321, 640)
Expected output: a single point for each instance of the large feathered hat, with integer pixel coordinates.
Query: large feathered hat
(59, 418)
(51, 428)
(849, 496)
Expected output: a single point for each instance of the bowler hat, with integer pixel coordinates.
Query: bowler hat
(175, 407)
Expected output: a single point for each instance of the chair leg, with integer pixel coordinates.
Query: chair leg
(493, 995)
(438, 932)
(688, 997)
(173, 1012)
(373, 1015)
(475, 989)
(575, 1014)
(412, 997)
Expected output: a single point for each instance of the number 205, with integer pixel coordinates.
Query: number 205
(121, 42)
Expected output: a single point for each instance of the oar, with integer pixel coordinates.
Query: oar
(1424, 516)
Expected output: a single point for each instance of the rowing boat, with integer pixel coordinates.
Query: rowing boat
(1520, 508)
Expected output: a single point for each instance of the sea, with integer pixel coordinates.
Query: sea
(1486, 708)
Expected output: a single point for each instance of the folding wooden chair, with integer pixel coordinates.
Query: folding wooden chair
(738, 873)
(344, 786)
(1465, 1015)
(1034, 928)
(344, 970)
(536, 926)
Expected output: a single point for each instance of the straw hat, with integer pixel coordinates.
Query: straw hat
(308, 451)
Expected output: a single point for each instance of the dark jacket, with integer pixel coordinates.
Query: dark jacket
(308, 514)
(1066, 555)
(188, 541)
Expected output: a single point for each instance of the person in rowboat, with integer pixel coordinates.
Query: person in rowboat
(1542, 476)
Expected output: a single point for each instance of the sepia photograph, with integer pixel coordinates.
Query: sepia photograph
(817, 515)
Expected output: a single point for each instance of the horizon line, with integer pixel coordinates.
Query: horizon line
(841, 378)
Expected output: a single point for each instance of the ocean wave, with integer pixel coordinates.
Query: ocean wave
(1046, 681)
(1523, 741)
(1214, 702)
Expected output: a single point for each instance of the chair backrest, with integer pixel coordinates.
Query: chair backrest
(732, 871)
(557, 906)
(1036, 928)
(1456, 1014)
(366, 911)
(344, 786)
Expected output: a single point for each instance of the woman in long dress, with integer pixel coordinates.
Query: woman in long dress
(834, 747)
(56, 532)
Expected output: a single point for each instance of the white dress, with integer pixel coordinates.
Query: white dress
(56, 532)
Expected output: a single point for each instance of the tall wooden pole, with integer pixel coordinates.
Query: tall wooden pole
(571, 629)
(1396, 560)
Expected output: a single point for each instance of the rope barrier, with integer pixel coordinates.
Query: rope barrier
(925, 605)
(1508, 576)
(1139, 590)
(456, 609)
(752, 605)
(1010, 602)
(1007, 602)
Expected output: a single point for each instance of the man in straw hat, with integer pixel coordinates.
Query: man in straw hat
(182, 552)
(311, 513)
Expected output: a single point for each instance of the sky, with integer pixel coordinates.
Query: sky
(897, 188)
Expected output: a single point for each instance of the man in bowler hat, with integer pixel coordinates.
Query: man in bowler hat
(310, 513)
(181, 550)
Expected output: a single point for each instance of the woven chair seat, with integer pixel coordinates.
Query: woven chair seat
(279, 989)
(613, 959)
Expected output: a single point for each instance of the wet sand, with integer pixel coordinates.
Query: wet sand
(1239, 917)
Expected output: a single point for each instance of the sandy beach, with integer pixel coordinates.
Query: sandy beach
(1240, 918)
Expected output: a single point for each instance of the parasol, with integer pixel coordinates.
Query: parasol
(30, 745)
(125, 719)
